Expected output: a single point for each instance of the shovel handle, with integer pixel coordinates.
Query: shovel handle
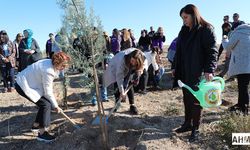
(67, 117)
(118, 102)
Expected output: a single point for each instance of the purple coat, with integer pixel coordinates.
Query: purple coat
(158, 40)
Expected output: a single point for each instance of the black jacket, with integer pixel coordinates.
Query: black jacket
(196, 53)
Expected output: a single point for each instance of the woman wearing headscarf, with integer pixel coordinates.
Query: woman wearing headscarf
(29, 50)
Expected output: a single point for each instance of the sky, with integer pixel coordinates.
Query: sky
(44, 16)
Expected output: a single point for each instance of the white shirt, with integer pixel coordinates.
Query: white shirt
(150, 57)
(37, 81)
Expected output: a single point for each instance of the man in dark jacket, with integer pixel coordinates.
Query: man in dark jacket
(49, 45)
(236, 22)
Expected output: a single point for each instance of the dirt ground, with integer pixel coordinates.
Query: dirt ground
(160, 112)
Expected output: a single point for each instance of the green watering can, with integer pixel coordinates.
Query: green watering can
(209, 93)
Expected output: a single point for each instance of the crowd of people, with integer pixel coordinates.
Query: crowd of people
(193, 54)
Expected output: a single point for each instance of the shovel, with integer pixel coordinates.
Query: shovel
(96, 121)
(70, 120)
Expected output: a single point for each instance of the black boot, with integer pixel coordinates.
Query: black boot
(194, 135)
(184, 128)
(244, 109)
(234, 108)
(133, 110)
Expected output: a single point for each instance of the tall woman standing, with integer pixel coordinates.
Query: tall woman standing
(196, 56)
(29, 50)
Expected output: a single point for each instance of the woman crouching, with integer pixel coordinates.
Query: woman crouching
(124, 69)
(35, 83)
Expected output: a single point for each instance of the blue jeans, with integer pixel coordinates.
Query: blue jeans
(104, 95)
(8, 74)
(160, 74)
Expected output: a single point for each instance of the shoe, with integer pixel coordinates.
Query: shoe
(45, 137)
(5, 90)
(105, 100)
(34, 129)
(244, 109)
(133, 110)
(11, 89)
(157, 88)
(184, 128)
(234, 107)
(93, 102)
(194, 135)
(143, 92)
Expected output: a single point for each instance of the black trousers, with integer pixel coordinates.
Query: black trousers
(192, 110)
(226, 67)
(143, 81)
(130, 94)
(243, 83)
(43, 114)
(151, 76)
(220, 51)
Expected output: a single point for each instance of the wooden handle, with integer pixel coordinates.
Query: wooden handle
(70, 120)
(118, 102)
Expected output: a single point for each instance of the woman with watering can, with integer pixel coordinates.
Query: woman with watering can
(196, 55)
(238, 45)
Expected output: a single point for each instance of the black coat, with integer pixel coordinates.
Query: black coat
(196, 52)
(28, 59)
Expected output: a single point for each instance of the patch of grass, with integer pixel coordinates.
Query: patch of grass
(233, 85)
(232, 123)
(172, 110)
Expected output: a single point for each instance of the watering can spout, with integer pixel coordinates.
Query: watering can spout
(181, 84)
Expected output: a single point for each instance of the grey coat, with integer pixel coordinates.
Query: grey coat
(117, 70)
(239, 46)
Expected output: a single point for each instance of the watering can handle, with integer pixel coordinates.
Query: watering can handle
(221, 81)
(216, 79)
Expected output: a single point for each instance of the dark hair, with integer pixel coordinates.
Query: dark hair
(226, 25)
(236, 14)
(18, 35)
(155, 49)
(116, 32)
(194, 12)
(138, 56)
(5, 36)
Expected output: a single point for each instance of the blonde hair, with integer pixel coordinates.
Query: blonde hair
(60, 58)
(126, 35)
